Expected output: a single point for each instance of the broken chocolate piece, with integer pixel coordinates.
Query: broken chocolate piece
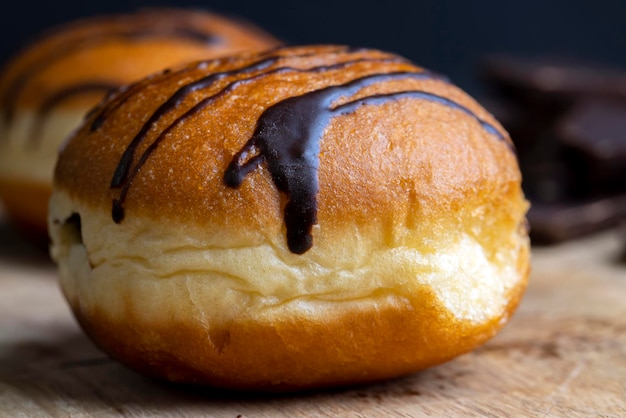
(594, 132)
(568, 122)
(554, 78)
(559, 222)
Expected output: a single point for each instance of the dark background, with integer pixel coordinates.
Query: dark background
(447, 36)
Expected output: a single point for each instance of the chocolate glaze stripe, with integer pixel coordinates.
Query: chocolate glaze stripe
(137, 86)
(378, 99)
(287, 137)
(139, 33)
(118, 204)
(101, 107)
(114, 102)
(62, 95)
(124, 165)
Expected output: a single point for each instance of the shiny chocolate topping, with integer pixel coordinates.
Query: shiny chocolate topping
(287, 136)
(125, 172)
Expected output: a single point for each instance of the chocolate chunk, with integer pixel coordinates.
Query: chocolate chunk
(559, 222)
(594, 132)
(554, 78)
(545, 89)
(568, 121)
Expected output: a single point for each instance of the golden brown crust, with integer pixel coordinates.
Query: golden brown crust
(438, 178)
(419, 251)
(350, 346)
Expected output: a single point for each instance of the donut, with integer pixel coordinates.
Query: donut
(46, 89)
(299, 218)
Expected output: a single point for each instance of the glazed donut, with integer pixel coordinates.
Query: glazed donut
(47, 88)
(297, 218)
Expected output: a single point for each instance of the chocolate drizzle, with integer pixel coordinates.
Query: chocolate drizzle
(111, 104)
(136, 87)
(286, 138)
(125, 172)
(124, 166)
(377, 99)
(172, 103)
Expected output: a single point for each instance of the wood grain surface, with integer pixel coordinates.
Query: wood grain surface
(563, 354)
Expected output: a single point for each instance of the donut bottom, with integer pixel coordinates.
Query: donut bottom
(345, 344)
(196, 325)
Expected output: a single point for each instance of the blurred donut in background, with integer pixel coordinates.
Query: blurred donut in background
(48, 87)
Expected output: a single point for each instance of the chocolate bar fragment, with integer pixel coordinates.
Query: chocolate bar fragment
(553, 223)
(543, 89)
(552, 79)
(568, 122)
(594, 133)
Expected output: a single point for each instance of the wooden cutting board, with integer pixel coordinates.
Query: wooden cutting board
(563, 354)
